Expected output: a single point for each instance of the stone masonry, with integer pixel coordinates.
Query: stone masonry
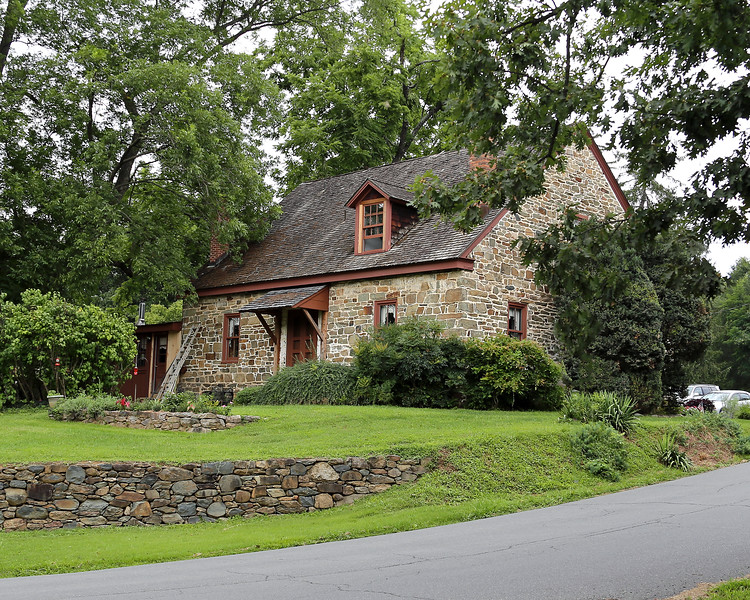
(171, 421)
(97, 494)
(471, 303)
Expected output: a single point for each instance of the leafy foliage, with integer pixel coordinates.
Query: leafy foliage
(361, 96)
(669, 454)
(509, 373)
(632, 308)
(603, 450)
(95, 348)
(192, 402)
(410, 364)
(524, 76)
(80, 408)
(743, 412)
(307, 382)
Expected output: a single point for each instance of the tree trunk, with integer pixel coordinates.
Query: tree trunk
(13, 15)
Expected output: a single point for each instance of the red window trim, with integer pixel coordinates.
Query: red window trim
(522, 330)
(376, 310)
(226, 337)
(361, 226)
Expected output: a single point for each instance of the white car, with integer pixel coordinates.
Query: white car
(698, 390)
(729, 398)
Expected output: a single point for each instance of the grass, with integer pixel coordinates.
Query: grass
(487, 463)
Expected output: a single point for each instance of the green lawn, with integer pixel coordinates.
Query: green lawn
(490, 463)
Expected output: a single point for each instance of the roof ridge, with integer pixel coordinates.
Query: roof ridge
(406, 160)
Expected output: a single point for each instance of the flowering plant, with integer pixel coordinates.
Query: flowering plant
(124, 402)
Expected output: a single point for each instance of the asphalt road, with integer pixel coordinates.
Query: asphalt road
(640, 544)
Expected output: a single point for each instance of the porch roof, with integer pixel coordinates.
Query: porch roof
(314, 297)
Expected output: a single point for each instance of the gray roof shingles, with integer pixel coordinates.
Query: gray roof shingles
(315, 234)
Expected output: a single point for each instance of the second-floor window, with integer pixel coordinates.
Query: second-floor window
(373, 223)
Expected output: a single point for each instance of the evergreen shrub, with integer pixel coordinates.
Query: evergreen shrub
(602, 449)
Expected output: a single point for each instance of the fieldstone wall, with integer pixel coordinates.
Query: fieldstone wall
(171, 421)
(472, 303)
(97, 494)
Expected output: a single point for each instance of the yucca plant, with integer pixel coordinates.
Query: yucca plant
(670, 455)
(618, 411)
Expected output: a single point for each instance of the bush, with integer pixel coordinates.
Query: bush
(743, 412)
(669, 454)
(508, 373)
(603, 450)
(80, 408)
(95, 348)
(617, 411)
(409, 364)
(742, 445)
(192, 402)
(307, 382)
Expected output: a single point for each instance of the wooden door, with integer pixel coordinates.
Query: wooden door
(137, 385)
(160, 360)
(301, 341)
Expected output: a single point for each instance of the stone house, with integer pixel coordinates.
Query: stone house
(349, 253)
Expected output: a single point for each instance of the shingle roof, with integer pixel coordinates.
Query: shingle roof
(284, 298)
(315, 234)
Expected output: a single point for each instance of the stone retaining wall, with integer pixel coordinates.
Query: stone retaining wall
(96, 494)
(171, 421)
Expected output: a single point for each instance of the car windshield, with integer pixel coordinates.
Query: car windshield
(714, 396)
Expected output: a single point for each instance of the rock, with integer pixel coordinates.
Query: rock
(322, 471)
(175, 474)
(15, 496)
(289, 482)
(92, 508)
(131, 497)
(216, 510)
(75, 474)
(67, 504)
(184, 488)
(31, 512)
(323, 501)
(298, 469)
(141, 509)
(351, 476)
(14, 524)
(52, 478)
(243, 496)
(187, 509)
(172, 519)
(229, 483)
(93, 521)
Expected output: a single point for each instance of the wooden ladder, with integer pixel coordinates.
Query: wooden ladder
(169, 383)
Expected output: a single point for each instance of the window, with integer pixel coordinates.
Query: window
(517, 321)
(373, 222)
(385, 312)
(231, 349)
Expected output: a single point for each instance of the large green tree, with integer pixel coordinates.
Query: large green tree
(130, 134)
(632, 311)
(360, 94)
(526, 78)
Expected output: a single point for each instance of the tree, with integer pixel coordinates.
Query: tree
(525, 79)
(360, 98)
(47, 343)
(731, 327)
(130, 135)
(630, 312)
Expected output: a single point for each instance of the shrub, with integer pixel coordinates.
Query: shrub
(80, 408)
(508, 373)
(742, 445)
(410, 364)
(307, 382)
(602, 448)
(192, 402)
(743, 412)
(579, 406)
(721, 426)
(246, 395)
(669, 454)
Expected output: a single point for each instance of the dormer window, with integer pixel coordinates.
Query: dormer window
(382, 215)
(373, 221)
